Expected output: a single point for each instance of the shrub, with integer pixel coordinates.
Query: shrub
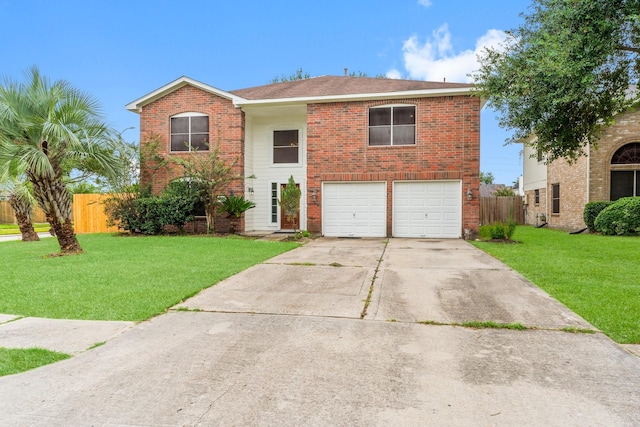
(236, 205)
(504, 192)
(149, 215)
(303, 234)
(501, 231)
(510, 229)
(621, 218)
(497, 231)
(591, 211)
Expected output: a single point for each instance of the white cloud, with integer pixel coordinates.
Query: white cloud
(436, 59)
(425, 3)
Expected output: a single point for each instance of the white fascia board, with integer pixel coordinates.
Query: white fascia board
(240, 102)
(136, 106)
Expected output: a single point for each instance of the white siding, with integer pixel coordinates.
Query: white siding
(534, 174)
(259, 140)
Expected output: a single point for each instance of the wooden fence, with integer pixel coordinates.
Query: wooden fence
(88, 214)
(501, 209)
(8, 216)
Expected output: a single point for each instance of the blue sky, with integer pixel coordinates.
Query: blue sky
(120, 50)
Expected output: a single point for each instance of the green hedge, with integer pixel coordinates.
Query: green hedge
(621, 218)
(149, 215)
(591, 212)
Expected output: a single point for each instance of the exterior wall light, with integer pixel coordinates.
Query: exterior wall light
(314, 195)
(469, 194)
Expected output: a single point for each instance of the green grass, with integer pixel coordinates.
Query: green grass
(494, 325)
(13, 228)
(13, 361)
(120, 278)
(596, 276)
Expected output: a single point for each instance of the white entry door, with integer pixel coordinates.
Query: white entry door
(430, 209)
(354, 209)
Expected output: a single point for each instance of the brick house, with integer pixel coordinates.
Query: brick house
(373, 157)
(560, 190)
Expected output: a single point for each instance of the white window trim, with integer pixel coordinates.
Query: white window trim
(301, 139)
(186, 114)
(393, 106)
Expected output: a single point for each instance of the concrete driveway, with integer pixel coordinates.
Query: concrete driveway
(328, 334)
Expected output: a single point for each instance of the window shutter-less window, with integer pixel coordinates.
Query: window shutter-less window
(285, 146)
(555, 192)
(392, 125)
(189, 133)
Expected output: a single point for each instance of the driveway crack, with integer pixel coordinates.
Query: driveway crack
(373, 281)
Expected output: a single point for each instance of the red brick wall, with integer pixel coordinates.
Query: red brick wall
(447, 147)
(226, 128)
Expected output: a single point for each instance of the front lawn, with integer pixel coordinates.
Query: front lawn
(120, 277)
(596, 276)
(14, 229)
(16, 360)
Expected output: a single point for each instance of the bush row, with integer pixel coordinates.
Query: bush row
(148, 214)
(621, 218)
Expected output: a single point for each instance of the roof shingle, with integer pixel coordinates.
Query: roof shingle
(338, 85)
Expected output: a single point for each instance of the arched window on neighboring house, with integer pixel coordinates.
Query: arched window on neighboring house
(625, 171)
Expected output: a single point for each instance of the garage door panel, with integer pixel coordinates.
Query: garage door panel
(354, 209)
(427, 209)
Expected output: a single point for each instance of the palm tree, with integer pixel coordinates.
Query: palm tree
(22, 203)
(21, 200)
(49, 127)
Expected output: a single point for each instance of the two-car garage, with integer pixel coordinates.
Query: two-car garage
(430, 209)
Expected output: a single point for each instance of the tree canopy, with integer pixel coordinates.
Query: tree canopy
(486, 177)
(565, 73)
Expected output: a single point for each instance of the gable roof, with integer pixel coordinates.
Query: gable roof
(136, 106)
(314, 90)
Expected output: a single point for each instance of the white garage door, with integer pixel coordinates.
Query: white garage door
(354, 209)
(427, 209)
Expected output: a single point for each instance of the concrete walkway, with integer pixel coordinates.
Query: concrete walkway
(327, 334)
(12, 237)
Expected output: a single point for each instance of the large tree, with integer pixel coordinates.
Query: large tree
(47, 127)
(565, 73)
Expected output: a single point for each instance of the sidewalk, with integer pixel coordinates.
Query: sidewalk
(65, 336)
(10, 237)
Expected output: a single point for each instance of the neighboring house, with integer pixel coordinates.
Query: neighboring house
(373, 157)
(558, 191)
(489, 190)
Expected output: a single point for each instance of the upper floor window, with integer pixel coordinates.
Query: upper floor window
(286, 144)
(392, 125)
(190, 132)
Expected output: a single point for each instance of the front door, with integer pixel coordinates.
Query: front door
(285, 224)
